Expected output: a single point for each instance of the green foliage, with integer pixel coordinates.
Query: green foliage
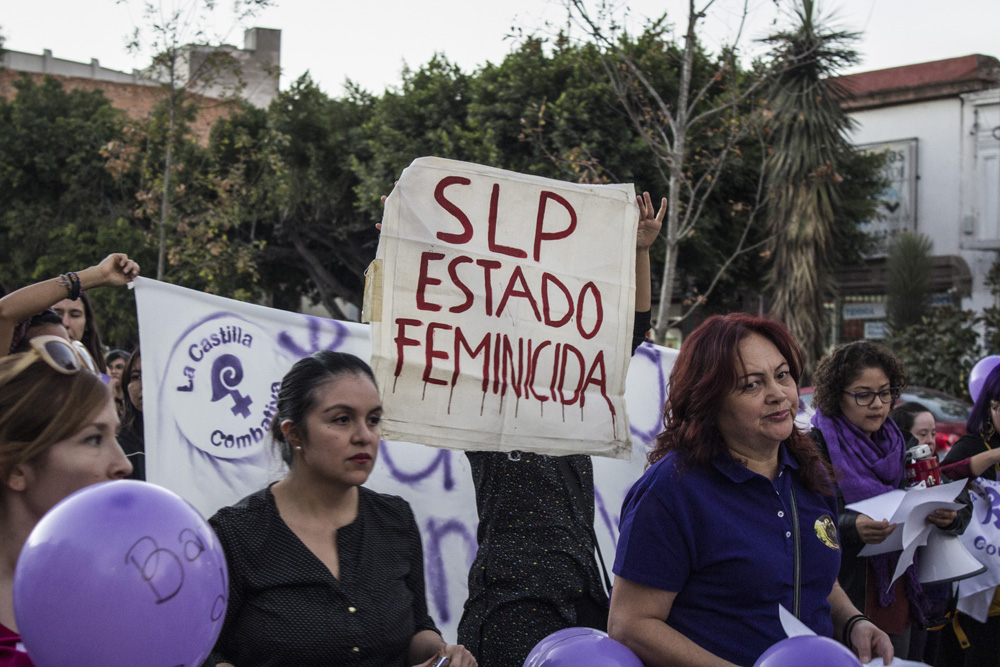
(281, 203)
(78, 181)
(294, 167)
(991, 315)
(940, 351)
(428, 115)
(909, 284)
(60, 209)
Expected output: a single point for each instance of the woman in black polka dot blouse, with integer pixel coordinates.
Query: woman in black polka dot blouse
(322, 570)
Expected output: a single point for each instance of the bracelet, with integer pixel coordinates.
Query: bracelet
(849, 627)
(71, 282)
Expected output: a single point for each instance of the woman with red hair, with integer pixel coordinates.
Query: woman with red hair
(735, 515)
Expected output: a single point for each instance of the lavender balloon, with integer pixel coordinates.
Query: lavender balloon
(808, 650)
(573, 647)
(979, 373)
(121, 573)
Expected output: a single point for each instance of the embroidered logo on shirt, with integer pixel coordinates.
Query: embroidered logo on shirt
(826, 531)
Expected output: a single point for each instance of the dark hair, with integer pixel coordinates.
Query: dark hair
(707, 369)
(979, 419)
(115, 355)
(92, 334)
(842, 366)
(297, 395)
(905, 414)
(47, 316)
(131, 415)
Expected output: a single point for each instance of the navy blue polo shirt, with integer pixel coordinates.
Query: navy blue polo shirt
(722, 539)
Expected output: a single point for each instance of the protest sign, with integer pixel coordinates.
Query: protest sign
(501, 308)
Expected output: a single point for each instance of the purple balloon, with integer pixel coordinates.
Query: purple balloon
(808, 650)
(573, 647)
(121, 573)
(979, 373)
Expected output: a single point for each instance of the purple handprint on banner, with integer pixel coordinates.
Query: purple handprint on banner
(314, 328)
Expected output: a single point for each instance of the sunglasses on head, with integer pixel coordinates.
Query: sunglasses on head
(62, 355)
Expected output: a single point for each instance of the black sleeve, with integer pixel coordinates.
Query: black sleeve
(640, 326)
(415, 579)
(967, 446)
(222, 652)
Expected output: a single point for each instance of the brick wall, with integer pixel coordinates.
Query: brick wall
(136, 100)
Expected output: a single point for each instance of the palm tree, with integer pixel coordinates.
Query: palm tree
(808, 148)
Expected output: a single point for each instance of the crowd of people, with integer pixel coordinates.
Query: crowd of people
(739, 511)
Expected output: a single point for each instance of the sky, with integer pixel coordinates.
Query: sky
(370, 41)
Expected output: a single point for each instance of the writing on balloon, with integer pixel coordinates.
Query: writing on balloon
(162, 569)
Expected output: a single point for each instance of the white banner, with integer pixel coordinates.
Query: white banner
(982, 539)
(501, 308)
(210, 368)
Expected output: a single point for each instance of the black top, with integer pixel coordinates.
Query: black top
(535, 542)
(969, 445)
(131, 441)
(285, 606)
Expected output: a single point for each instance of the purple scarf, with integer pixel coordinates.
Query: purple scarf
(867, 467)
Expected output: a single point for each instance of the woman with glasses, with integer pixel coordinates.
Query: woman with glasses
(57, 435)
(856, 387)
(64, 293)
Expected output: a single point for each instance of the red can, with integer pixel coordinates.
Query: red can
(922, 467)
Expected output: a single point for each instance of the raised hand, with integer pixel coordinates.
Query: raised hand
(649, 222)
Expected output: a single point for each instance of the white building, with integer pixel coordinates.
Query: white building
(940, 124)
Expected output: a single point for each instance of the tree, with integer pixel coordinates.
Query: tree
(991, 314)
(940, 350)
(909, 284)
(696, 115)
(294, 167)
(808, 152)
(60, 208)
(555, 115)
(427, 115)
(170, 31)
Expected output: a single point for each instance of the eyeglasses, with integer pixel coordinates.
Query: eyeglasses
(866, 398)
(62, 355)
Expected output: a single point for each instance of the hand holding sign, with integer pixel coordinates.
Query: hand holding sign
(122, 574)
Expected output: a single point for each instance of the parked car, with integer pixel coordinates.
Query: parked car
(950, 413)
